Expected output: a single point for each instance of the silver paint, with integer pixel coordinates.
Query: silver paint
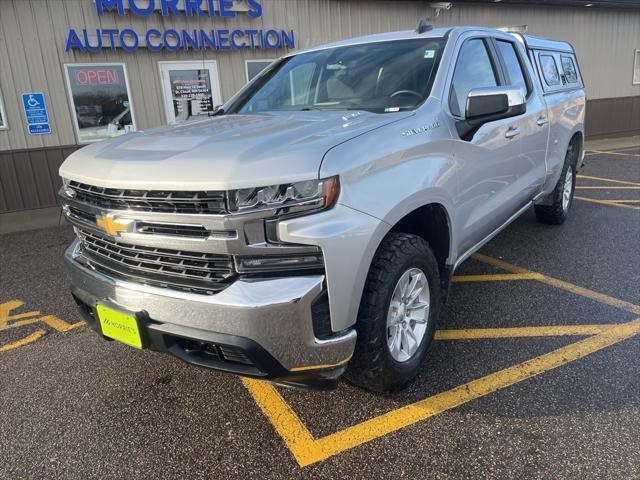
(389, 165)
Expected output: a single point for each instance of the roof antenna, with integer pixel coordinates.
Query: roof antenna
(424, 26)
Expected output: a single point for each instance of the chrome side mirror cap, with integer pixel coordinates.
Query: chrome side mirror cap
(488, 104)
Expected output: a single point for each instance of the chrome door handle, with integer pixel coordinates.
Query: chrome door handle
(512, 132)
(542, 121)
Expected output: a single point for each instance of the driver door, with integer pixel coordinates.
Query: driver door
(490, 163)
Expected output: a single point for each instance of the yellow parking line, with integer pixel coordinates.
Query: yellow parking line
(22, 342)
(610, 180)
(601, 152)
(624, 201)
(585, 292)
(50, 320)
(308, 450)
(519, 332)
(611, 203)
(501, 277)
(288, 425)
(604, 187)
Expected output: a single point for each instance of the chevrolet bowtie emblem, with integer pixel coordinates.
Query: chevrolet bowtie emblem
(111, 226)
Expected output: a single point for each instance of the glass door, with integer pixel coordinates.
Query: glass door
(191, 89)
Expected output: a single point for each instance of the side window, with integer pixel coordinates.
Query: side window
(474, 69)
(514, 67)
(549, 70)
(569, 69)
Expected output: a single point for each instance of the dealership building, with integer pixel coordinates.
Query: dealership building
(73, 72)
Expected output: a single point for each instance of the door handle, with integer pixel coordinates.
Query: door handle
(512, 132)
(542, 121)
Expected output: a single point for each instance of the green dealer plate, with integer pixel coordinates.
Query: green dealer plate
(119, 326)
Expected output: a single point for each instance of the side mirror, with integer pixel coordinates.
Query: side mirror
(489, 104)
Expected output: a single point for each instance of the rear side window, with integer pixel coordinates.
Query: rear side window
(569, 69)
(474, 69)
(514, 67)
(549, 70)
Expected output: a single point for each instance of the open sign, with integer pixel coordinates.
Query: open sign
(96, 76)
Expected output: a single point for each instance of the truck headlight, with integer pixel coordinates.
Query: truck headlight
(294, 197)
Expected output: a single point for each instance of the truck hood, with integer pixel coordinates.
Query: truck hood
(222, 153)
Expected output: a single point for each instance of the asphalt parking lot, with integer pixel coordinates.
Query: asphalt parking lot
(534, 373)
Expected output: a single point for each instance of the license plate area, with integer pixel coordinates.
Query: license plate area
(124, 326)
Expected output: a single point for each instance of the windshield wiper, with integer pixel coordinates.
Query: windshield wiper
(341, 109)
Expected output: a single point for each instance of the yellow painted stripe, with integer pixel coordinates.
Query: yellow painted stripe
(288, 425)
(22, 342)
(603, 152)
(307, 451)
(517, 332)
(623, 201)
(605, 187)
(610, 180)
(51, 320)
(606, 202)
(405, 416)
(585, 292)
(497, 277)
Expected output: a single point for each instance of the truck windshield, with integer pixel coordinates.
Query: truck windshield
(380, 77)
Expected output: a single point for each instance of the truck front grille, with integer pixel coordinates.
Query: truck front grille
(205, 273)
(194, 202)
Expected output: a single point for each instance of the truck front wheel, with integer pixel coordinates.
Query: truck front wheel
(397, 316)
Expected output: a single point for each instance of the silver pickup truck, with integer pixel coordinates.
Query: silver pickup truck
(311, 227)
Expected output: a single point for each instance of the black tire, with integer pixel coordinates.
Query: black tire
(555, 213)
(372, 366)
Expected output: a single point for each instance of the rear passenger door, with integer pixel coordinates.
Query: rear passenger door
(491, 169)
(534, 123)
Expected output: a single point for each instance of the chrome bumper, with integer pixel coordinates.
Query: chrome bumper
(273, 313)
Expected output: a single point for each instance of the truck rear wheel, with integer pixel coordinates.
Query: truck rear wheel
(562, 195)
(398, 313)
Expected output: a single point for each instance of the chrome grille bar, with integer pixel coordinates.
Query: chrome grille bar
(198, 202)
(159, 265)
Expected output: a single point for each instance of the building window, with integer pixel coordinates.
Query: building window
(636, 68)
(191, 89)
(100, 100)
(254, 67)
(3, 116)
(569, 68)
(549, 70)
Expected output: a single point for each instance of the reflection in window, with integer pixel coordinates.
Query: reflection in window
(473, 70)
(382, 77)
(549, 70)
(514, 68)
(569, 69)
(100, 100)
(3, 121)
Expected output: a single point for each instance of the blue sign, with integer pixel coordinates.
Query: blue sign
(35, 111)
(173, 40)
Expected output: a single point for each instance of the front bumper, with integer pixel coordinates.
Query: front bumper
(260, 328)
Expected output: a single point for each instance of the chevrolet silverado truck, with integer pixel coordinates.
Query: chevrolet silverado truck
(310, 228)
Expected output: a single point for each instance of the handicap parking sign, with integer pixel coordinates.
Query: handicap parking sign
(36, 114)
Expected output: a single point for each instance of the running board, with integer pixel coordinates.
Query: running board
(480, 244)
